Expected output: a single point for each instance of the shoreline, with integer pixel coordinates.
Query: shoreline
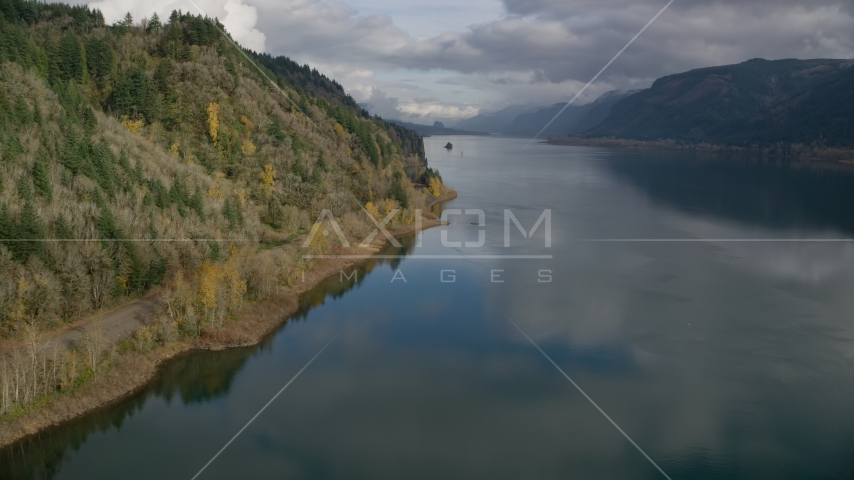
(796, 152)
(129, 372)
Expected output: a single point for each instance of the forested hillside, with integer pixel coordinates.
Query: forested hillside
(823, 115)
(758, 102)
(130, 153)
(307, 79)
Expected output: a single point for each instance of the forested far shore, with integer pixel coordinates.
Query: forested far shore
(780, 150)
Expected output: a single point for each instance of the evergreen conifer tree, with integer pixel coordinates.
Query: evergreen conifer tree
(41, 178)
(154, 24)
(197, 203)
(99, 60)
(315, 176)
(29, 228)
(298, 169)
(22, 111)
(66, 60)
(25, 192)
(61, 228)
(7, 227)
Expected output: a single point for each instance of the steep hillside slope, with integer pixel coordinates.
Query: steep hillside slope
(134, 152)
(716, 104)
(529, 123)
(306, 79)
(823, 115)
(599, 111)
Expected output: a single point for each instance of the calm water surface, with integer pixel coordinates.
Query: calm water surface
(721, 359)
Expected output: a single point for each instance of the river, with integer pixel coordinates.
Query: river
(704, 303)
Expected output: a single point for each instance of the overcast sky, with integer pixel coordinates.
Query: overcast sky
(449, 59)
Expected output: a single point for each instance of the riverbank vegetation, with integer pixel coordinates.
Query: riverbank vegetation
(153, 154)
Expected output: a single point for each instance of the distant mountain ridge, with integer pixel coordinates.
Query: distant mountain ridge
(438, 128)
(755, 102)
(495, 122)
(532, 122)
(599, 110)
(525, 120)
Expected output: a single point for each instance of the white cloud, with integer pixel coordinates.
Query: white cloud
(420, 110)
(543, 50)
(381, 104)
(240, 21)
(238, 18)
(519, 51)
(437, 110)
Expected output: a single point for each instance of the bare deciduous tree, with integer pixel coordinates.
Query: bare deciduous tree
(92, 342)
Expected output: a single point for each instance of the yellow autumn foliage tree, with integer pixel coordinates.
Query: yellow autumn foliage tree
(132, 125)
(268, 177)
(435, 186)
(214, 190)
(372, 210)
(407, 216)
(319, 244)
(339, 130)
(123, 283)
(390, 206)
(208, 279)
(213, 121)
(246, 122)
(247, 148)
(235, 285)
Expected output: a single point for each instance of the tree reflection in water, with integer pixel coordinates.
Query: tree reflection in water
(195, 377)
